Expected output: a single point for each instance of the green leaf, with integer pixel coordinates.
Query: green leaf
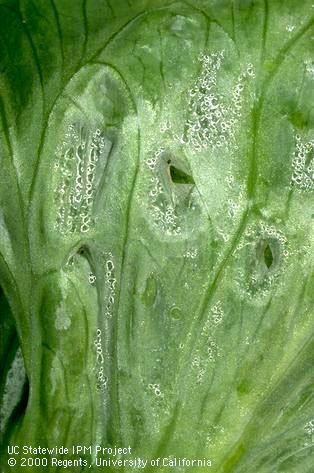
(156, 232)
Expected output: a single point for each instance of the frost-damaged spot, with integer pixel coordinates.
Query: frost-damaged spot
(303, 165)
(81, 160)
(160, 206)
(5, 235)
(63, 319)
(179, 25)
(214, 114)
(13, 389)
(263, 252)
(173, 200)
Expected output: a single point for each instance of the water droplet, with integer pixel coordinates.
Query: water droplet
(175, 313)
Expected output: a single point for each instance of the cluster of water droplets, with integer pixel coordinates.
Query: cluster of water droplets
(203, 357)
(309, 67)
(101, 378)
(214, 319)
(209, 351)
(155, 388)
(309, 433)
(217, 314)
(234, 204)
(110, 285)
(192, 253)
(76, 164)
(309, 427)
(271, 231)
(108, 301)
(213, 116)
(92, 279)
(290, 28)
(303, 165)
(213, 432)
(153, 160)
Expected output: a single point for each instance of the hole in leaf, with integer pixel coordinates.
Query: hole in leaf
(180, 177)
(268, 256)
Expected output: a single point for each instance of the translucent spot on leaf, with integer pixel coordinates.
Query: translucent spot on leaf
(149, 295)
(268, 256)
